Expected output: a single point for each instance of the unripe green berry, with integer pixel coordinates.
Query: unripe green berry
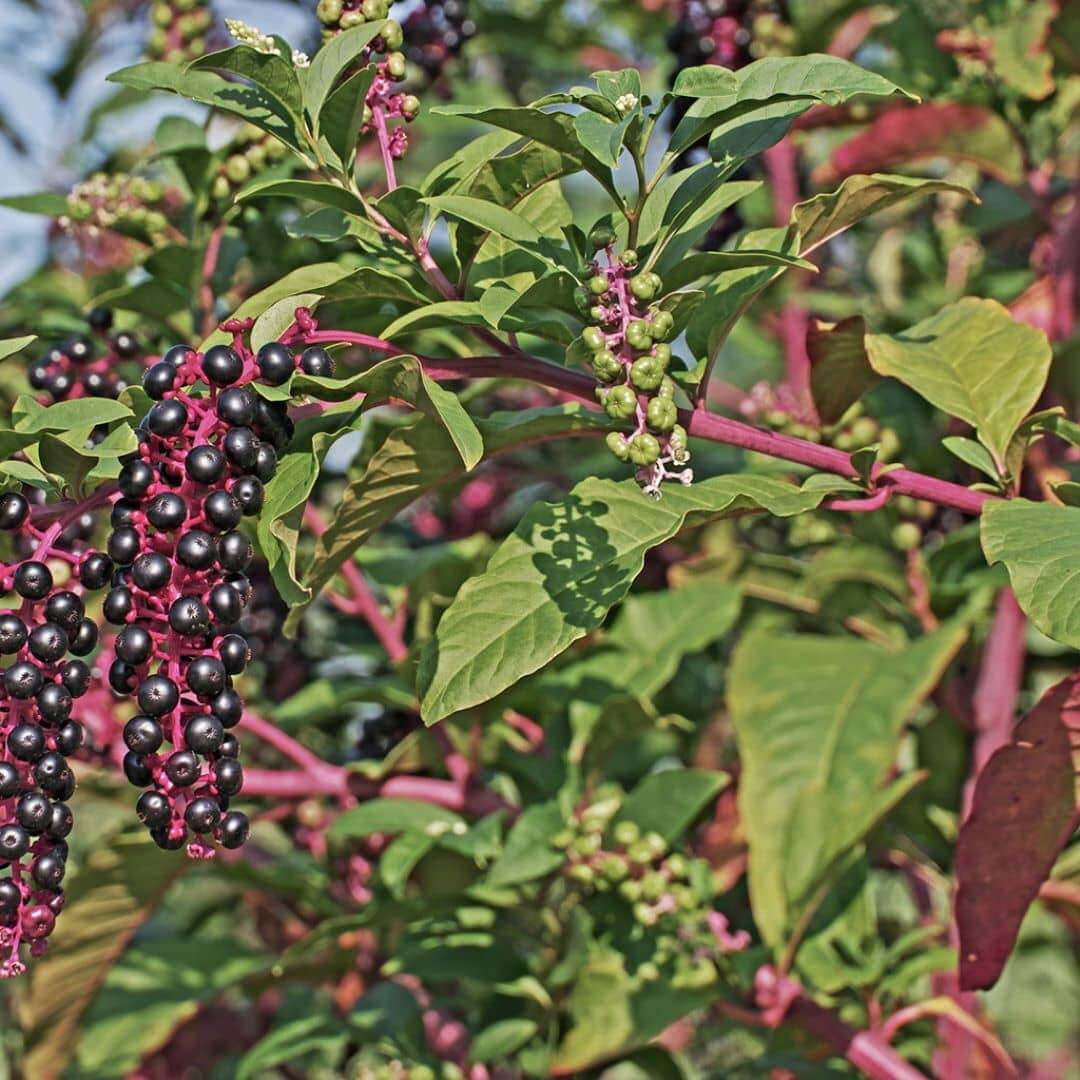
(329, 12)
(600, 236)
(410, 106)
(662, 324)
(630, 890)
(656, 842)
(629, 258)
(606, 366)
(563, 839)
(642, 287)
(162, 15)
(373, 9)
(677, 865)
(598, 284)
(864, 431)
(646, 374)
(156, 222)
(586, 845)
(648, 972)
(598, 313)
(351, 18)
(888, 443)
(221, 188)
(637, 339)
(582, 299)
(662, 355)
(653, 886)
(422, 1072)
(644, 914)
(614, 868)
(617, 444)
(678, 439)
(395, 64)
(237, 168)
(582, 872)
(661, 415)
(393, 36)
(256, 156)
(667, 389)
(656, 280)
(594, 338)
(644, 449)
(626, 833)
(907, 536)
(621, 404)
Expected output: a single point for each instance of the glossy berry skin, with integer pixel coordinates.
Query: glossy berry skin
(188, 616)
(235, 828)
(167, 418)
(157, 695)
(153, 810)
(159, 379)
(237, 406)
(143, 735)
(276, 363)
(222, 366)
(14, 511)
(317, 361)
(66, 610)
(134, 645)
(55, 702)
(33, 580)
(196, 550)
(223, 509)
(95, 571)
(205, 465)
(13, 633)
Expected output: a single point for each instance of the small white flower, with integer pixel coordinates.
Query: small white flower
(459, 828)
(249, 35)
(625, 103)
(437, 828)
(301, 59)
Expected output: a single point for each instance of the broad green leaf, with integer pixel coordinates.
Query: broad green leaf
(278, 317)
(840, 371)
(394, 816)
(709, 263)
(252, 103)
(488, 216)
(328, 64)
(316, 278)
(668, 802)
(819, 219)
(1039, 543)
(555, 578)
(817, 746)
(501, 1039)
(156, 297)
(71, 415)
(826, 78)
(1018, 52)
(754, 130)
(418, 457)
(290, 1043)
(600, 137)
(681, 193)
(974, 361)
(972, 453)
(46, 203)
(271, 73)
(529, 853)
(108, 899)
(11, 346)
(708, 80)
(342, 114)
(317, 191)
(442, 313)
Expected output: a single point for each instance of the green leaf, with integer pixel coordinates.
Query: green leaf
(46, 203)
(709, 263)
(488, 216)
(339, 53)
(291, 1042)
(600, 137)
(819, 219)
(71, 415)
(974, 361)
(501, 1039)
(394, 816)
(277, 318)
(119, 886)
(252, 103)
(442, 313)
(555, 578)
(317, 191)
(11, 346)
(529, 853)
(708, 80)
(341, 116)
(972, 453)
(668, 802)
(816, 747)
(840, 371)
(416, 458)
(268, 71)
(1039, 543)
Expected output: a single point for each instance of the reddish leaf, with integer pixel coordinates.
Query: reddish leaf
(1022, 814)
(840, 370)
(902, 136)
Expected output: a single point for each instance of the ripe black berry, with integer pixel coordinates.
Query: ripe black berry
(9, 780)
(241, 447)
(33, 812)
(249, 494)
(225, 605)
(265, 463)
(61, 821)
(275, 362)
(237, 406)
(135, 478)
(65, 609)
(14, 843)
(136, 770)
(14, 510)
(223, 509)
(159, 380)
(235, 551)
(230, 747)
(234, 829)
(51, 772)
(10, 897)
(122, 676)
(22, 681)
(166, 511)
(70, 737)
(151, 571)
(12, 633)
(85, 638)
(188, 616)
(205, 464)
(202, 815)
(221, 365)
(48, 643)
(204, 734)
(196, 549)
(33, 580)
(95, 570)
(118, 605)
(143, 734)
(167, 418)
(153, 810)
(124, 545)
(48, 871)
(123, 513)
(134, 645)
(178, 355)
(228, 775)
(157, 695)
(26, 742)
(206, 677)
(182, 768)
(126, 345)
(235, 653)
(166, 841)
(75, 677)
(317, 361)
(100, 319)
(55, 703)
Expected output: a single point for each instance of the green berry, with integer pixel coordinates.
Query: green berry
(351, 18)
(221, 188)
(653, 886)
(656, 280)
(373, 9)
(629, 258)
(642, 287)
(594, 338)
(637, 339)
(678, 438)
(563, 839)
(410, 106)
(156, 222)
(667, 389)
(601, 235)
(237, 168)
(613, 868)
(644, 914)
(329, 12)
(606, 366)
(864, 431)
(630, 890)
(583, 873)
(662, 324)
(657, 843)
(256, 155)
(582, 299)
(621, 404)
(395, 64)
(662, 355)
(907, 536)
(644, 449)
(646, 374)
(598, 284)
(162, 15)
(661, 414)
(626, 833)
(393, 36)
(598, 313)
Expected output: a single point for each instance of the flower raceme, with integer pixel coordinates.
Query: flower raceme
(43, 636)
(181, 588)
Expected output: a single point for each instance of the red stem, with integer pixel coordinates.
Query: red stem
(364, 603)
(378, 119)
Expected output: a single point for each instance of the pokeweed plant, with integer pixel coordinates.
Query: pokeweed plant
(608, 766)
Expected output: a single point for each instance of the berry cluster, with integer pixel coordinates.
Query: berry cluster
(108, 213)
(668, 900)
(630, 356)
(181, 585)
(249, 153)
(435, 33)
(42, 642)
(384, 101)
(72, 369)
(179, 30)
(730, 33)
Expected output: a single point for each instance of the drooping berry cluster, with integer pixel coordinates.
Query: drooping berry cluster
(384, 101)
(671, 903)
(630, 356)
(42, 641)
(73, 368)
(435, 33)
(181, 587)
(179, 30)
(109, 214)
(249, 153)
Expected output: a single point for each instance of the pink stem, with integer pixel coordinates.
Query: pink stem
(379, 122)
(862, 506)
(366, 606)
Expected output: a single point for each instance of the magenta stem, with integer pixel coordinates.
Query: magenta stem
(378, 119)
